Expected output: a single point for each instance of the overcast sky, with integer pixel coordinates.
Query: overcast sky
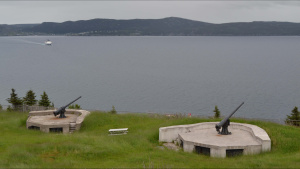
(15, 12)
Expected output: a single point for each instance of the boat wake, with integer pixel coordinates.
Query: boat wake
(30, 42)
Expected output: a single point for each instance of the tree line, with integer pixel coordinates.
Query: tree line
(29, 100)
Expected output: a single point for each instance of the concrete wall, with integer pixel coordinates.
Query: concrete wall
(50, 112)
(257, 132)
(41, 113)
(218, 152)
(253, 149)
(46, 128)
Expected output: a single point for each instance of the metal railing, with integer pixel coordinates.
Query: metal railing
(293, 122)
(26, 108)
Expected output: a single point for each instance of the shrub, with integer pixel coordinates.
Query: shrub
(9, 109)
(217, 112)
(76, 106)
(113, 110)
(14, 99)
(294, 118)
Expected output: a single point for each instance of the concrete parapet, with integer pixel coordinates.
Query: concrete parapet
(41, 113)
(260, 134)
(169, 134)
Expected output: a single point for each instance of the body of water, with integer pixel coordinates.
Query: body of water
(157, 74)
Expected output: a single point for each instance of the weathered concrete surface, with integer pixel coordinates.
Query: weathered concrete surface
(239, 139)
(252, 139)
(169, 134)
(46, 120)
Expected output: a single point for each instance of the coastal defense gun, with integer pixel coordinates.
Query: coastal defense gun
(61, 111)
(225, 123)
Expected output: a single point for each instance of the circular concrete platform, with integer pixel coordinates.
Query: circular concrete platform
(47, 122)
(204, 139)
(208, 137)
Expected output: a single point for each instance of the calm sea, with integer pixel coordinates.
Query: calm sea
(157, 74)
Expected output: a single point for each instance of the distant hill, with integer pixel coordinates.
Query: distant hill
(171, 26)
(13, 30)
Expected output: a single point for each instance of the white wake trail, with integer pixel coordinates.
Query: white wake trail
(31, 42)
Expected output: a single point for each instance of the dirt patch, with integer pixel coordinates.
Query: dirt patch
(171, 146)
(49, 156)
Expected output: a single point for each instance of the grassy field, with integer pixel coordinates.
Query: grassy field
(92, 147)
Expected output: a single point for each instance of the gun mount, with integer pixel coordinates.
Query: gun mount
(225, 123)
(61, 111)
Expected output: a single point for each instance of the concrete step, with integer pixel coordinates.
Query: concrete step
(72, 127)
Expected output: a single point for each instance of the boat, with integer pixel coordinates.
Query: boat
(48, 42)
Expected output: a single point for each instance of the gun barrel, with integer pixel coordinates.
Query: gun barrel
(225, 119)
(72, 102)
(62, 109)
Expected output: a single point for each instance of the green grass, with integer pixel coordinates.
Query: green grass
(92, 147)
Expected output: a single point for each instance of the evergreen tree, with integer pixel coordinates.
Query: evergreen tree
(217, 112)
(294, 118)
(113, 110)
(14, 99)
(29, 99)
(44, 100)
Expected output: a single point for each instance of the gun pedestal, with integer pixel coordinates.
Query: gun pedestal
(224, 130)
(61, 111)
(62, 114)
(225, 123)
